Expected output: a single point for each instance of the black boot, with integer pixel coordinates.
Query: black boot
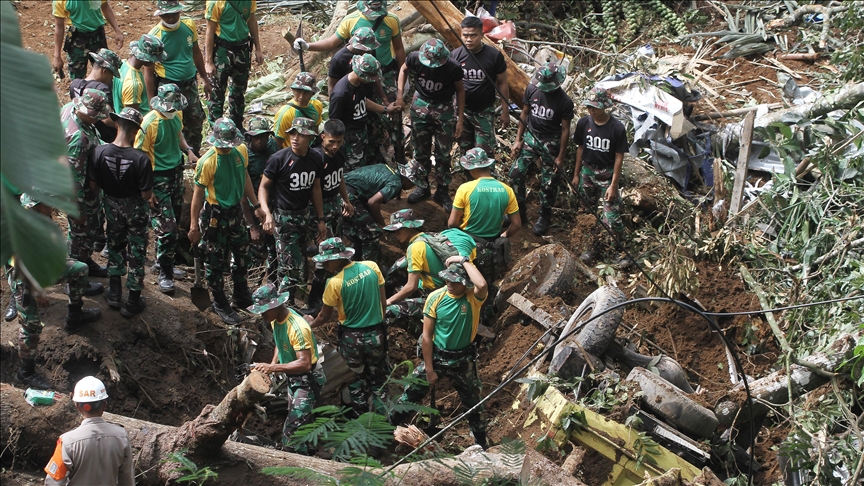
(96, 270)
(419, 194)
(27, 374)
(11, 311)
(316, 294)
(135, 304)
(242, 296)
(114, 294)
(156, 268)
(223, 309)
(480, 439)
(542, 224)
(166, 280)
(78, 317)
(442, 197)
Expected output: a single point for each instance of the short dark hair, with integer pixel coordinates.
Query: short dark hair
(334, 128)
(472, 23)
(127, 126)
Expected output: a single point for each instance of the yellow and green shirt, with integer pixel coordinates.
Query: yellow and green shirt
(292, 335)
(484, 203)
(179, 66)
(130, 90)
(355, 293)
(285, 117)
(85, 15)
(421, 259)
(223, 177)
(231, 17)
(456, 318)
(159, 138)
(388, 29)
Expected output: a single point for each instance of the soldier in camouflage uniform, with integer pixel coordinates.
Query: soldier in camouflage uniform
(261, 144)
(437, 79)
(28, 303)
(86, 33)
(450, 319)
(125, 175)
(78, 117)
(356, 291)
(232, 28)
(296, 355)
(303, 88)
(223, 196)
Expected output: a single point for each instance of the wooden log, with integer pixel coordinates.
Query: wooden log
(739, 111)
(844, 99)
(743, 157)
(516, 77)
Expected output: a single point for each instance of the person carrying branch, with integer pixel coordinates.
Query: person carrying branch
(86, 33)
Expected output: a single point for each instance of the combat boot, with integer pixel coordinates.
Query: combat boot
(315, 302)
(542, 224)
(442, 197)
(114, 294)
(156, 268)
(27, 374)
(242, 297)
(166, 280)
(78, 316)
(135, 304)
(480, 439)
(11, 311)
(223, 309)
(419, 194)
(96, 270)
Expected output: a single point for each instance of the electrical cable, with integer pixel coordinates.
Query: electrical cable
(779, 309)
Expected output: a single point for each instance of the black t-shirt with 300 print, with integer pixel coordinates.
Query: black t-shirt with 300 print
(348, 104)
(292, 177)
(331, 172)
(548, 110)
(434, 84)
(479, 91)
(600, 143)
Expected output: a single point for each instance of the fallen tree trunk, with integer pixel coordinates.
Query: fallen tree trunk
(847, 98)
(517, 80)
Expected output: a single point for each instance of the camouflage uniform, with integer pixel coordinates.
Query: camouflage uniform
(78, 46)
(358, 150)
(533, 150)
(305, 394)
(291, 239)
(362, 229)
(438, 120)
(365, 353)
(168, 189)
(263, 251)
(406, 314)
(234, 64)
(592, 188)
(193, 114)
(478, 130)
(127, 225)
(220, 241)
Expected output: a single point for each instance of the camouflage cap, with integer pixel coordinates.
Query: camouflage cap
(367, 67)
(106, 59)
(258, 125)
(164, 7)
(95, 103)
(303, 126)
(148, 48)
(266, 298)
(434, 53)
(306, 82)
(475, 158)
(372, 9)
(598, 98)
(129, 114)
(168, 98)
(404, 218)
(333, 249)
(364, 40)
(414, 172)
(549, 77)
(225, 134)
(456, 273)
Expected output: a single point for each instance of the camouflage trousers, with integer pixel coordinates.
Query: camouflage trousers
(305, 397)
(533, 150)
(291, 240)
(193, 114)
(478, 130)
(82, 237)
(127, 220)
(224, 235)
(592, 189)
(168, 190)
(365, 353)
(386, 130)
(362, 230)
(263, 252)
(78, 46)
(433, 121)
(75, 274)
(463, 376)
(406, 314)
(491, 271)
(235, 64)
(358, 150)
(332, 218)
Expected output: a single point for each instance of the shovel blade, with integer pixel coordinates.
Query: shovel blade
(200, 298)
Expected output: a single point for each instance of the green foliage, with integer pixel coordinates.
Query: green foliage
(574, 422)
(193, 474)
(646, 448)
(849, 58)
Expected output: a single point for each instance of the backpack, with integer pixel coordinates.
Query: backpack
(439, 243)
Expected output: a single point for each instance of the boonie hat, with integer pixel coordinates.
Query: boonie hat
(475, 158)
(414, 172)
(107, 59)
(367, 67)
(598, 98)
(372, 9)
(168, 98)
(333, 249)
(129, 114)
(224, 134)
(364, 40)
(89, 389)
(306, 82)
(404, 218)
(267, 297)
(549, 77)
(94, 102)
(258, 125)
(434, 53)
(148, 48)
(164, 7)
(456, 273)
(303, 126)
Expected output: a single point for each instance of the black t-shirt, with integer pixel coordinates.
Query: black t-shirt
(293, 177)
(120, 171)
(77, 86)
(332, 172)
(340, 63)
(479, 92)
(434, 84)
(548, 110)
(600, 143)
(348, 104)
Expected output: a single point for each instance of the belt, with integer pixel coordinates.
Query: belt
(180, 84)
(447, 354)
(99, 32)
(232, 45)
(293, 212)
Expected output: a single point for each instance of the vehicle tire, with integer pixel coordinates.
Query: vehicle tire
(548, 270)
(669, 403)
(595, 337)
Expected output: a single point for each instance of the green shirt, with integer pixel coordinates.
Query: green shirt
(484, 202)
(423, 260)
(223, 177)
(130, 90)
(257, 162)
(371, 179)
(388, 29)
(292, 335)
(230, 17)
(180, 65)
(159, 137)
(355, 293)
(456, 318)
(465, 245)
(85, 15)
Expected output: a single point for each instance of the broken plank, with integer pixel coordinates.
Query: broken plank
(528, 308)
(743, 157)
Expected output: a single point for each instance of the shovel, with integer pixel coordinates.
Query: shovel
(200, 296)
(434, 418)
(299, 34)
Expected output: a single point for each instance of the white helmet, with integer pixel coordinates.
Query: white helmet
(89, 389)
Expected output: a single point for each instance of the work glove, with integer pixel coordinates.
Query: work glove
(300, 44)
